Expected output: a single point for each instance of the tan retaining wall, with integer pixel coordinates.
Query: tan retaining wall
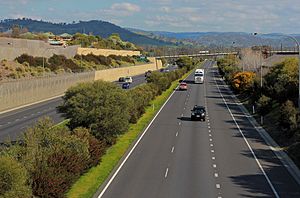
(107, 52)
(114, 74)
(21, 92)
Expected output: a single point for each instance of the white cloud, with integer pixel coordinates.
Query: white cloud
(170, 15)
(125, 7)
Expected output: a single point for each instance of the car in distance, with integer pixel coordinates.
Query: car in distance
(198, 113)
(164, 70)
(122, 79)
(183, 86)
(148, 73)
(128, 79)
(125, 85)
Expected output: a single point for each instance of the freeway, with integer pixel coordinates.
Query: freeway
(14, 123)
(221, 157)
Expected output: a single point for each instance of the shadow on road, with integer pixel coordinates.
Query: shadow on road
(184, 118)
(256, 184)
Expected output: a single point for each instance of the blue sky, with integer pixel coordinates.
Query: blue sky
(263, 16)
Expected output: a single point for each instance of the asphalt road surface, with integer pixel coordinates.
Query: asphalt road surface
(14, 123)
(223, 157)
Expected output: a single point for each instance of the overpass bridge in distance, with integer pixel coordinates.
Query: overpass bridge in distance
(218, 54)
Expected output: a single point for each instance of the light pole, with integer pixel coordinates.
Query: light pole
(44, 58)
(261, 83)
(82, 53)
(261, 76)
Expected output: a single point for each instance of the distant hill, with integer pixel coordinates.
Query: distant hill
(225, 39)
(162, 37)
(100, 28)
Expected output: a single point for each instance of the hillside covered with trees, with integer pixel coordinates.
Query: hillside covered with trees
(95, 27)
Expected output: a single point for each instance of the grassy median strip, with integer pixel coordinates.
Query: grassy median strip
(88, 184)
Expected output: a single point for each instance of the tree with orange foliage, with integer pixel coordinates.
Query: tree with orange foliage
(243, 81)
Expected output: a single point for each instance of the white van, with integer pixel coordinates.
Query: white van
(199, 76)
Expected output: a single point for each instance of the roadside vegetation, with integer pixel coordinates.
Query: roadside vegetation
(276, 100)
(26, 66)
(103, 118)
(112, 42)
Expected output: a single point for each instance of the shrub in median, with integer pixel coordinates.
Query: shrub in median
(288, 117)
(264, 105)
(53, 157)
(13, 179)
(100, 106)
(140, 98)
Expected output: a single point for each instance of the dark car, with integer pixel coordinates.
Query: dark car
(198, 113)
(148, 73)
(125, 85)
(122, 79)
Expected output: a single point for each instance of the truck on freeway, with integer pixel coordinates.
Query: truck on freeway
(199, 76)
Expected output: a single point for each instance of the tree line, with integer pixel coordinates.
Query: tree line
(274, 95)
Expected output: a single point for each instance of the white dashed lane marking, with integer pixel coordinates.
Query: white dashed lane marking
(218, 186)
(172, 151)
(166, 173)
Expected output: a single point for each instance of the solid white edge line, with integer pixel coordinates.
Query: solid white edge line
(135, 145)
(245, 139)
(27, 105)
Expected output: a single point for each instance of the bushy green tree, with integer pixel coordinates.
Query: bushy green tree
(32, 61)
(264, 104)
(185, 62)
(53, 157)
(57, 62)
(141, 97)
(100, 106)
(228, 66)
(282, 81)
(13, 179)
(288, 116)
(83, 40)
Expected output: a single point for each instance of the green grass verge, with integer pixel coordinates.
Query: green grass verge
(88, 184)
